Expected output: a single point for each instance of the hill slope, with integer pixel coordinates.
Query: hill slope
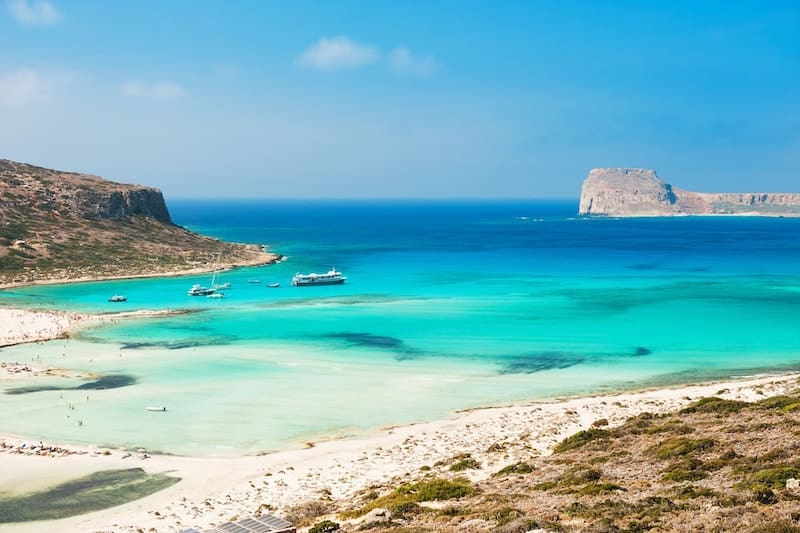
(58, 225)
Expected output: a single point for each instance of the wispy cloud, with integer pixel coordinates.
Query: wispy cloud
(337, 53)
(401, 60)
(154, 91)
(33, 13)
(20, 87)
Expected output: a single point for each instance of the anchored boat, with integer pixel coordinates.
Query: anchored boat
(331, 278)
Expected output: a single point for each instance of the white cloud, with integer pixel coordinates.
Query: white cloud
(154, 91)
(336, 53)
(33, 13)
(401, 60)
(20, 87)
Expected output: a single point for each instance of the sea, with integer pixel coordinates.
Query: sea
(448, 305)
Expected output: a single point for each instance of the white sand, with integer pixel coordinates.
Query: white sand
(215, 490)
(20, 325)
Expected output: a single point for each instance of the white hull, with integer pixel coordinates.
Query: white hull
(309, 280)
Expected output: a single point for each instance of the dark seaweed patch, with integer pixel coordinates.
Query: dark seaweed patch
(112, 381)
(528, 364)
(177, 345)
(368, 340)
(641, 350)
(100, 490)
(382, 342)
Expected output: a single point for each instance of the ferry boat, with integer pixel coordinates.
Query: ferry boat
(331, 278)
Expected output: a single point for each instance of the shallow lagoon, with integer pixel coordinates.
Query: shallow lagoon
(447, 306)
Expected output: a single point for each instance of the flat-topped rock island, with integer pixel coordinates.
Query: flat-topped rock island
(637, 192)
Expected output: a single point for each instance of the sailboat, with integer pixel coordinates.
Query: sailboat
(199, 290)
(218, 286)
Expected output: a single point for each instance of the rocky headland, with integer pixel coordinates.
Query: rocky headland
(64, 226)
(636, 192)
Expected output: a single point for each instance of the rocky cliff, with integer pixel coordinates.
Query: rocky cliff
(634, 192)
(61, 226)
(81, 195)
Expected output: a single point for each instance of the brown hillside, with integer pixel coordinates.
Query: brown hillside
(62, 226)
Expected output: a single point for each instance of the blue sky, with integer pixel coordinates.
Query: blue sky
(403, 99)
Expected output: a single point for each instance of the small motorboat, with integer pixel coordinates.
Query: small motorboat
(253, 281)
(118, 298)
(155, 409)
(274, 285)
(216, 295)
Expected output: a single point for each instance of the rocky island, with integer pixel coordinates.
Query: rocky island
(64, 226)
(636, 192)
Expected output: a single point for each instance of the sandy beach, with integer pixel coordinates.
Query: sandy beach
(215, 490)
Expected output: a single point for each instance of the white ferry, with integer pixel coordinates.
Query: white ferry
(331, 278)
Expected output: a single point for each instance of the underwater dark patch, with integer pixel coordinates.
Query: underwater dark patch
(177, 345)
(112, 381)
(528, 364)
(100, 490)
(641, 350)
(367, 339)
(401, 350)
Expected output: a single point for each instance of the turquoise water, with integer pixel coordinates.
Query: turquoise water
(447, 306)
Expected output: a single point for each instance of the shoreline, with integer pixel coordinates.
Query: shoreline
(213, 489)
(270, 259)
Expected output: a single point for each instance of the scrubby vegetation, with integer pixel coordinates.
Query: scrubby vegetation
(717, 465)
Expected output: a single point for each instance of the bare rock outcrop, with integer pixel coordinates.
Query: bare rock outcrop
(636, 192)
(82, 195)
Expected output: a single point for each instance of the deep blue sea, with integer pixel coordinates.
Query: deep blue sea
(447, 305)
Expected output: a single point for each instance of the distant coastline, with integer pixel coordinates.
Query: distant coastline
(636, 192)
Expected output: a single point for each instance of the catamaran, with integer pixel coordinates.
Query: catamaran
(331, 278)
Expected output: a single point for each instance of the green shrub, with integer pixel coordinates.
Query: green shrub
(593, 489)
(777, 402)
(516, 468)
(326, 526)
(467, 463)
(545, 485)
(690, 492)
(421, 491)
(438, 489)
(763, 494)
(580, 439)
(504, 515)
(679, 447)
(715, 405)
(775, 477)
(405, 509)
